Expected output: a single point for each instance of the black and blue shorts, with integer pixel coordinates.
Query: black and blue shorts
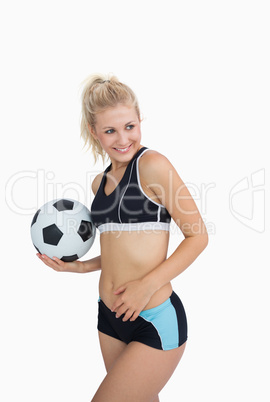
(163, 327)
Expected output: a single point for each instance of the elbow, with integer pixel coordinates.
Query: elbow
(204, 240)
(200, 238)
(201, 241)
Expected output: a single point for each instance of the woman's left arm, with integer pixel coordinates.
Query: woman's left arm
(162, 178)
(174, 195)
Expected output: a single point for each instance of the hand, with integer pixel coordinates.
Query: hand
(61, 266)
(135, 295)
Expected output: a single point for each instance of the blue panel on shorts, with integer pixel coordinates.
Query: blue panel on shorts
(164, 319)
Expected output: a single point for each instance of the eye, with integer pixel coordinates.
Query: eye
(131, 127)
(110, 131)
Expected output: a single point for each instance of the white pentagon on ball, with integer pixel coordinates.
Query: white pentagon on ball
(63, 228)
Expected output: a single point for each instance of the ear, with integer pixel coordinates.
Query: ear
(141, 118)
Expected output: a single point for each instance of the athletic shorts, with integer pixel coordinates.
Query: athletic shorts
(163, 327)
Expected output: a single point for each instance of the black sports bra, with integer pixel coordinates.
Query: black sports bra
(128, 208)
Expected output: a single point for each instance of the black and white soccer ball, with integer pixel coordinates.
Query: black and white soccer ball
(63, 228)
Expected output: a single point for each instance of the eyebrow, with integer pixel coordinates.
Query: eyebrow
(103, 128)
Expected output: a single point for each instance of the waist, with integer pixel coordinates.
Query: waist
(106, 294)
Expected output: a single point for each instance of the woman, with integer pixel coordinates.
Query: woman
(142, 323)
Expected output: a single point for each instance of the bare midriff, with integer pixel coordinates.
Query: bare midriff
(127, 256)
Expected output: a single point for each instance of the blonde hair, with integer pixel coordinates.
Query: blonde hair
(99, 93)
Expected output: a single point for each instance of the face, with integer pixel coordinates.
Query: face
(118, 131)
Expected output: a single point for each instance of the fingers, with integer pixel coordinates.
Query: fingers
(134, 316)
(128, 313)
(128, 316)
(117, 304)
(120, 308)
(120, 290)
(54, 263)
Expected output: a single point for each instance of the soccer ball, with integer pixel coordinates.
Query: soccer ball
(63, 228)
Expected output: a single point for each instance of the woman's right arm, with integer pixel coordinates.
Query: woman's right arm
(82, 267)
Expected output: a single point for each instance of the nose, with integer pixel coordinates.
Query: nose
(122, 140)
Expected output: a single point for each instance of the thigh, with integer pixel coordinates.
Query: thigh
(111, 348)
(139, 374)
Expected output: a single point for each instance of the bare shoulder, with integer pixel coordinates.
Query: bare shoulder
(153, 163)
(96, 182)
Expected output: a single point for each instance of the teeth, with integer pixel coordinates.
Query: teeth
(122, 149)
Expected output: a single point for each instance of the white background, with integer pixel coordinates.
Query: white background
(201, 72)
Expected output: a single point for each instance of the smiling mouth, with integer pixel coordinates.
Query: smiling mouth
(123, 150)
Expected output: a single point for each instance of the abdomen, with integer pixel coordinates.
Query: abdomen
(127, 256)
